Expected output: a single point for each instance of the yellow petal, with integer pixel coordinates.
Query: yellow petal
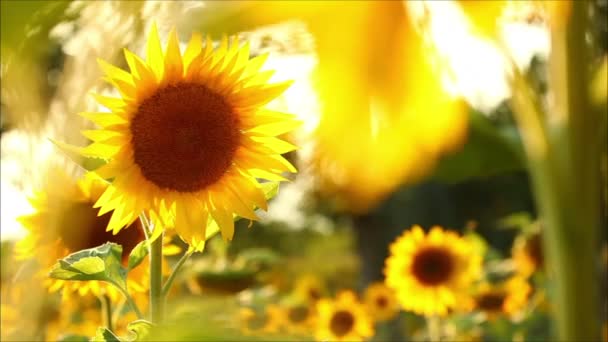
(173, 59)
(154, 53)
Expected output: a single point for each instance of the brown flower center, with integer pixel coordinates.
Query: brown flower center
(80, 228)
(341, 323)
(433, 266)
(491, 301)
(184, 137)
(534, 249)
(314, 294)
(381, 302)
(298, 314)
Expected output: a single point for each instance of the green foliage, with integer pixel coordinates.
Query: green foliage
(99, 263)
(141, 328)
(490, 150)
(105, 335)
(138, 254)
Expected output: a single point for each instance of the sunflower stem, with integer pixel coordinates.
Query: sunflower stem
(562, 149)
(130, 301)
(106, 309)
(156, 280)
(434, 328)
(180, 263)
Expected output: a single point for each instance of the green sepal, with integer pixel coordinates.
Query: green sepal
(138, 254)
(270, 189)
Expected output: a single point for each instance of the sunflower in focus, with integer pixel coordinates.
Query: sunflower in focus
(254, 322)
(380, 302)
(431, 273)
(300, 319)
(507, 297)
(343, 319)
(65, 222)
(527, 254)
(188, 139)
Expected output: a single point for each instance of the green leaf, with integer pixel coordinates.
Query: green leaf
(99, 263)
(105, 335)
(141, 329)
(490, 150)
(138, 254)
(270, 189)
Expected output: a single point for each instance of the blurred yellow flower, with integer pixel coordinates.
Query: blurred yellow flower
(309, 288)
(300, 319)
(386, 118)
(65, 222)
(508, 297)
(188, 137)
(431, 272)
(527, 254)
(343, 319)
(77, 315)
(254, 322)
(381, 302)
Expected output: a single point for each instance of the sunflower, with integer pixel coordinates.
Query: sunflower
(254, 322)
(188, 139)
(430, 273)
(380, 302)
(507, 297)
(343, 319)
(527, 254)
(65, 222)
(300, 318)
(309, 288)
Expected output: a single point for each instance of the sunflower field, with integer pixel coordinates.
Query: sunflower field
(403, 170)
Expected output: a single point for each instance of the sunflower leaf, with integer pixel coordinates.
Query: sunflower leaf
(98, 263)
(105, 335)
(141, 329)
(137, 255)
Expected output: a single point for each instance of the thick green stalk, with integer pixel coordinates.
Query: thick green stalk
(562, 146)
(157, 303)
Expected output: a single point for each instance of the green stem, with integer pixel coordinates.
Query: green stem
(562, 149)
(106, 309)
(434, 328)
(169, 283)
(130, 301)
(156, 280)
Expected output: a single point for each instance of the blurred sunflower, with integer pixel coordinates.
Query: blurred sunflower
(431, 273)
(380, 302)
(78, 315)
(255, 322)
(507, 297)
(309, 288)
(527, 254)
(343, 319)
(300, 319)
(188, 138)
(65, 222)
